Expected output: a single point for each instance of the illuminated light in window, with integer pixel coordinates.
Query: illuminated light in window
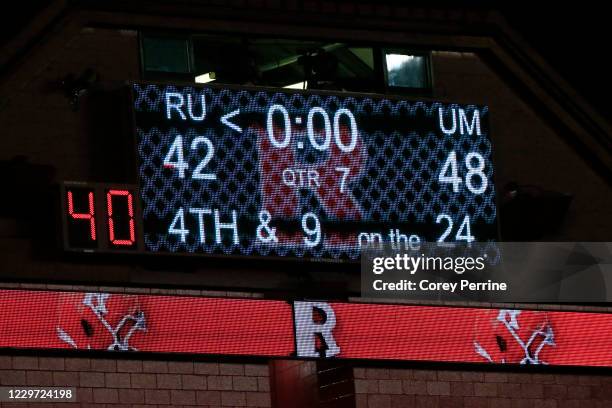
(84, 216)
(204, 78)
(406, 71)
(297, 85)
(111, 223)
(395, 61)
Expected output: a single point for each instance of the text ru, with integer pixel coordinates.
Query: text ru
(195, 109)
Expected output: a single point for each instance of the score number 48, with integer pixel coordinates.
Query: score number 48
(475, 181)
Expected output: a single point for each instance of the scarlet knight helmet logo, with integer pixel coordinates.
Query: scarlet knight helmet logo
(100, 321)
(514, 336)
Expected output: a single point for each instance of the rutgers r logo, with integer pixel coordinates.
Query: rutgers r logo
(314, 325)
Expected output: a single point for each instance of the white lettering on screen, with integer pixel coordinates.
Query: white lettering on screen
(307, 329)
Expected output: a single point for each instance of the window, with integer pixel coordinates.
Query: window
(164, 56)
(297, 64)
(407, 70)
(289, 63)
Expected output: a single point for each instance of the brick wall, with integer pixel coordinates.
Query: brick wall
(134, 383)
(148, 383)
(395, 388)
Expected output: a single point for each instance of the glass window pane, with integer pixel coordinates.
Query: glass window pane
(406, 71)
(166, 54)
(278, 62)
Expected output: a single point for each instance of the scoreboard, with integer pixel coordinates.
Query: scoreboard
(285, 173)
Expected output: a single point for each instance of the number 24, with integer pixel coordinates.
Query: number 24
(464, 232)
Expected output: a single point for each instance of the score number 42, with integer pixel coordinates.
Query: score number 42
(175, 159)
(475, 164)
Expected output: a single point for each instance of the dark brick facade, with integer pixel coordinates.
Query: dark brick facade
(385, 388)
(135, 383)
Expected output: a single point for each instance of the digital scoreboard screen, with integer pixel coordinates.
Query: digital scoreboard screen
(284, 173)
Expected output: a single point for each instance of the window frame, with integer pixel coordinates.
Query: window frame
(163, 75)
(402, 90)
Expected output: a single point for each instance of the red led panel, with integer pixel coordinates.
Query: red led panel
(270, 328)
(99, 321)
(99, 217)
(431, 333)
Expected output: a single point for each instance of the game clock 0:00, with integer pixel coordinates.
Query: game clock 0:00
(255, 172)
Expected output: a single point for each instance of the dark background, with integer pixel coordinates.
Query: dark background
(573, 36)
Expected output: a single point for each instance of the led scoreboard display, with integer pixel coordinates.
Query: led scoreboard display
(254, 172)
